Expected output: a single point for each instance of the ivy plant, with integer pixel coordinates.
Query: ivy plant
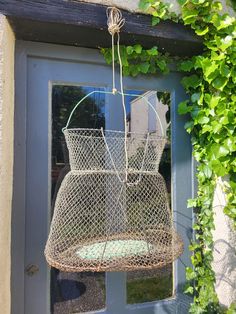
(210, 82)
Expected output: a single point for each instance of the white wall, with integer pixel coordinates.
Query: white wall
(224, 252)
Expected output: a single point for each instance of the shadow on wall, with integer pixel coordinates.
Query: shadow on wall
(224, 253)
(224, 265)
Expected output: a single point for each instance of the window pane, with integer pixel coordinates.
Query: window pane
(73, 292)
(150, 285)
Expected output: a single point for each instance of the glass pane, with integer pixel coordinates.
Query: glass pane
(150, 285)
(73, 292)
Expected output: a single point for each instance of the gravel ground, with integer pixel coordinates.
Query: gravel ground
(84, 292)
(78, 293)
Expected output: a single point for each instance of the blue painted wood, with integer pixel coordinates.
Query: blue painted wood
(48, 64)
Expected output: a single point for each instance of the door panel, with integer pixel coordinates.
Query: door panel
(47, 66)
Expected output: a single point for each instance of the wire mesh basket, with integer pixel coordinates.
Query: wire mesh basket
(98, 150)
(112, 214)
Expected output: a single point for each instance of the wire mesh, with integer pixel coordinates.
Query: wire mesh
(103, 222)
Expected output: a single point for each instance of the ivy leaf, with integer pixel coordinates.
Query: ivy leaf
(195, 97)
(203, 120)
(224, 43)
(144, 5)
(182, 2)
(155, 20)
(224, 70)
(220, 82)
(217, 151)
(189, 290)
(153, 51)
(138, 48)
(219, 169)
(186, 66)
(190, 273)
(129, 50)
(189, 126)
(191, 81)
(192, 203)
(144, 67)
(162, 65)
(183, 107)
(202, 32)
(214, 100)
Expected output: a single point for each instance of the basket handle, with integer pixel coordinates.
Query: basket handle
(112, 93)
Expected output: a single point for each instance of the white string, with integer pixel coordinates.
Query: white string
(115, 22)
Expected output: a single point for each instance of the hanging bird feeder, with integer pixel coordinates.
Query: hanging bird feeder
(112, 209)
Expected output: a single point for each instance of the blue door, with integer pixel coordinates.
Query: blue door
(50, 80)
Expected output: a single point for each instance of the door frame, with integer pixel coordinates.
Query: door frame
(182, 216)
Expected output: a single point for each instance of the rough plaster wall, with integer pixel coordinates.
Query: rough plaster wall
(132, 5)
(224, 253)
(6, 157)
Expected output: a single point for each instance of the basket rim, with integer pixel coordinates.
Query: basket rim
(115, 132)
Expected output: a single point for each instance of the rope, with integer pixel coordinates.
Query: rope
(115, 22)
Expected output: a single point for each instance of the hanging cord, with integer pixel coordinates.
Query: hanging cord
(115, 22)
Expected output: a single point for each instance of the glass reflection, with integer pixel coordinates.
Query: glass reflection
(150, 285)
(73, 292)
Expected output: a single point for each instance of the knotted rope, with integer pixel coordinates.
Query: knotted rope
(115, 20)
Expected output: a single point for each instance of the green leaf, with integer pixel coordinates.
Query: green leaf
(162, 65)
(224, 43)
(189, 126)
(144, 67)
(220, 82)
(192, 81)
(153, 51)
(203, 120)
(186, 66)
(138, 48)
(144, 5)
(217, 151)
(189, 290)
(192, 203)
(129, 50)
(155, 20)
(182, 2)
(218, 167)
(195, 97)
(183, 107)
(214, 100)
(190, 274)
(224, 70)
(202, 32)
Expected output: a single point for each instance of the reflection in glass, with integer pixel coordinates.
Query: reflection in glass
(150, 285)
(73, 292)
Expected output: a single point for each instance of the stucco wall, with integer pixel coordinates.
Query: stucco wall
(132, 5)
(6, 157)
(224, 236)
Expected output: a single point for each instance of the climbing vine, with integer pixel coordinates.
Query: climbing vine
(210, 82)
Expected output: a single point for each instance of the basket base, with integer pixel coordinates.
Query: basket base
(123, 252)
(109, 250)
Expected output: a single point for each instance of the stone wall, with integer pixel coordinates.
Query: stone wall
(6, 157)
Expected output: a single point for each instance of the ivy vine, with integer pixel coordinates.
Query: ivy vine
(210, 82)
